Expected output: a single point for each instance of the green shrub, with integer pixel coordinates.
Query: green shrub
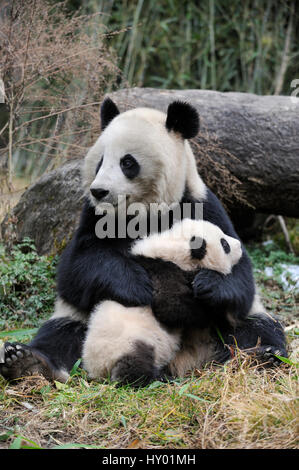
(269, 254)
(27, 286)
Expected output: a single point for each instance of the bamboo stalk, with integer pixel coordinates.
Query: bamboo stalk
(10, 144)
(285, 54)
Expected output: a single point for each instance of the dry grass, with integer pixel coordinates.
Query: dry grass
(234, 407)
(214, 165)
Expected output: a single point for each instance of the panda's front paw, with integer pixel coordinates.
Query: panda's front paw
(267, 356)
(207, 286)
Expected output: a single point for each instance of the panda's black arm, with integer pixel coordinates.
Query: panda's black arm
(234, 292)
(91, 270)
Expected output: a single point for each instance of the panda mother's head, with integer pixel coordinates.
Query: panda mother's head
(142, 155)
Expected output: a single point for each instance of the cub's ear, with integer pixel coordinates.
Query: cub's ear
(108, 111)
(182, 118)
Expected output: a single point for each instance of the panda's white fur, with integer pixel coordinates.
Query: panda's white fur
(63, 309)
(114, 330)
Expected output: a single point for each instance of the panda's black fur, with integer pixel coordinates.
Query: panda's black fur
(92, 270)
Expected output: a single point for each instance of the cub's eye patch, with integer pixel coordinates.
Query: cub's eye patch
(129, 166)
(198, 247)
(99, 165)
(225, 245)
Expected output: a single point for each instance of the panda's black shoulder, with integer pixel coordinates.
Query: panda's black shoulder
(86, 237)
(213, 211)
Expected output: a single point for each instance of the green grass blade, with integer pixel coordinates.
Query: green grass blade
(18, 334)
(287, 361)
(75, 367)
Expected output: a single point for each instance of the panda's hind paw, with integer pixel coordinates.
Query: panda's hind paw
(19, 360)
(136, 368)
(125, 372)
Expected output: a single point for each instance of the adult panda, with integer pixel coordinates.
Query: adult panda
(144, 155)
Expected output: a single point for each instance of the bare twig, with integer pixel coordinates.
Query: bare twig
(26, 123)
(286, 233)
(285, 54)
(10, 143)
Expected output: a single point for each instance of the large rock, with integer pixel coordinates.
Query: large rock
(48, 212)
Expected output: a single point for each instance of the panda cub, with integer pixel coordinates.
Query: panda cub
(124, 341)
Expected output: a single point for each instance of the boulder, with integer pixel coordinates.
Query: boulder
(48, 211)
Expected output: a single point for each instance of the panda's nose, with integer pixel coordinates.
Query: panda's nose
(99, 193)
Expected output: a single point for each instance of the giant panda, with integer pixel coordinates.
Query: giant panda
(120, 338)
(143, 156)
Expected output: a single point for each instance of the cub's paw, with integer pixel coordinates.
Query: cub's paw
(206, 285)
(19, 360)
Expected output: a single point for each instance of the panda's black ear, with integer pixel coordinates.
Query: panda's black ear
(108, 111)
(182, 118)
(198, 248)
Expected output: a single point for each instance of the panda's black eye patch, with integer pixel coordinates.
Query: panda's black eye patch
(225, 245)
(198, 247)
(129, 166)
(99, 165)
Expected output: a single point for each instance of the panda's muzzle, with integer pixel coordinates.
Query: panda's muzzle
(99, 193)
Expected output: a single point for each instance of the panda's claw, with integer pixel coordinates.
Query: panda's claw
(267, 355)
(20, 361)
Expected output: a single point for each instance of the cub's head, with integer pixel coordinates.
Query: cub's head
(211, 248)
(142, 155)
(192, 244)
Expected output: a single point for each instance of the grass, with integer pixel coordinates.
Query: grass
(237, 405)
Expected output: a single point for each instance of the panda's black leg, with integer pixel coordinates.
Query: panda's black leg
(260, 336)
(52, 353)
(137, 368)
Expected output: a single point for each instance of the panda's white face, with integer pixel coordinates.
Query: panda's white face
(192, 244)
(137, 158)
